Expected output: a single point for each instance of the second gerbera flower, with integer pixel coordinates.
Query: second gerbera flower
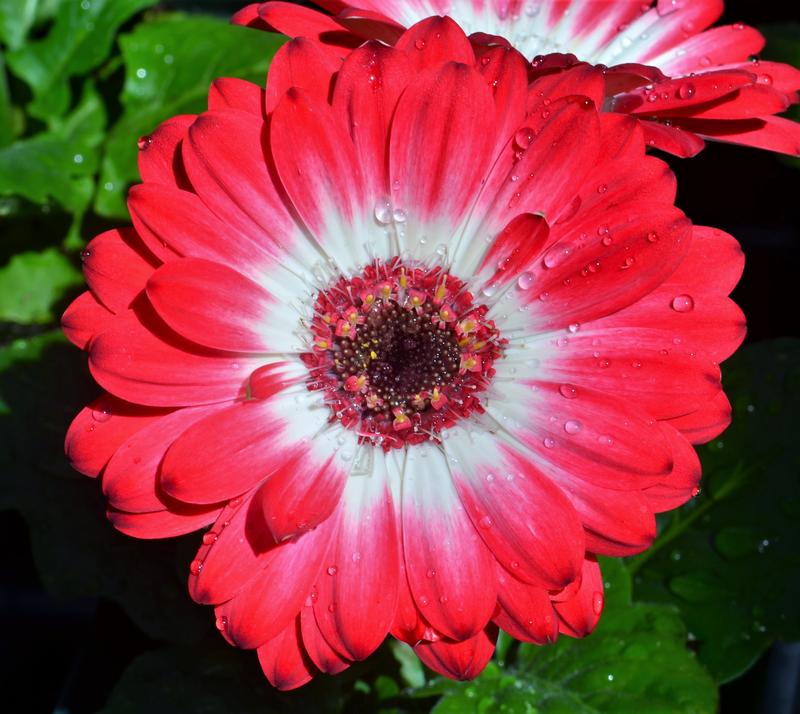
(417, 340)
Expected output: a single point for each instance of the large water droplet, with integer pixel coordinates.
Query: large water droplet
(683, 303)
(597, 602)
(556, 255)
(686, 91)
(101, 415)
(568, 391)
(525, 281)
(572, 426)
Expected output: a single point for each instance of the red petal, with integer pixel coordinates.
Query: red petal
(130, 479)
(435, 41)
(459, 660)
(284, 660)
(526, 612)
(327, 659)
(101, 428)
(301, 64)
(579, 615)
(527, 522)
(437, 158)
(448, 566)
(134, 363)
(160, 156)
(276, 593)
(85, 318)
(357, 589)
(115, 269)
(367, 89)
(322, 177)
(162, 524)
(233, 93)
(214, 306)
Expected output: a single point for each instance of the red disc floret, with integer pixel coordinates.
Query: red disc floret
(402, 352)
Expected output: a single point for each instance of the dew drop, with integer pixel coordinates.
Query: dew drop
(399, 215)
(486, 522)
(101, 415)
(195, 567)
(525, 281)
(574, 327)
(420, 44)
(602, 188)
(605, 440)
(383, 213)
(355, 557)
(652, 237)
(568, 391)
(210, 538)
(431, 573)
(572, 426)
(331, 570)
(524, 137)
(143, 142)
(765, 79)
(686, 91)
(489, 290)
(423, 601)
(549, 442)
(221, 623)
(556, 255)
(683, 303)
(597, 602)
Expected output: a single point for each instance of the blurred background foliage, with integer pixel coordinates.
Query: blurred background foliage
(95, 621)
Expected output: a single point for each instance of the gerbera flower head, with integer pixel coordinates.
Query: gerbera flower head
(412, 341)
(662, 63)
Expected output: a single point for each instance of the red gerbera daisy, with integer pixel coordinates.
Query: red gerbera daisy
(416, 348)
(663, 66)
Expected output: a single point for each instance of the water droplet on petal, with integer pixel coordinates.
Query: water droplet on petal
(101, 415)
(683, 303)
(686, 91)
(431, 573)
(383, 212)
(420, 44)
(568, 391)
(524, 137)
(486, 522)
(572, 426)
(144, 142)
(332, 570)
(652, 237)
(605, 440)
(195, 567)
(209, 538)
(597, 602)
(549, 442)
(602, 188)
(556, 255)
(399, 215)
(525, 281)
(221, 623)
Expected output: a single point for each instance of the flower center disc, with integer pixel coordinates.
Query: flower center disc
(401, 352)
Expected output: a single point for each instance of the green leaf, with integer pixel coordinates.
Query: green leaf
(169, 65)
(79, 40)
(58, 163)
(729, 559)
(16, 19)
(31, 284)
(635, 661)
(6, 108)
